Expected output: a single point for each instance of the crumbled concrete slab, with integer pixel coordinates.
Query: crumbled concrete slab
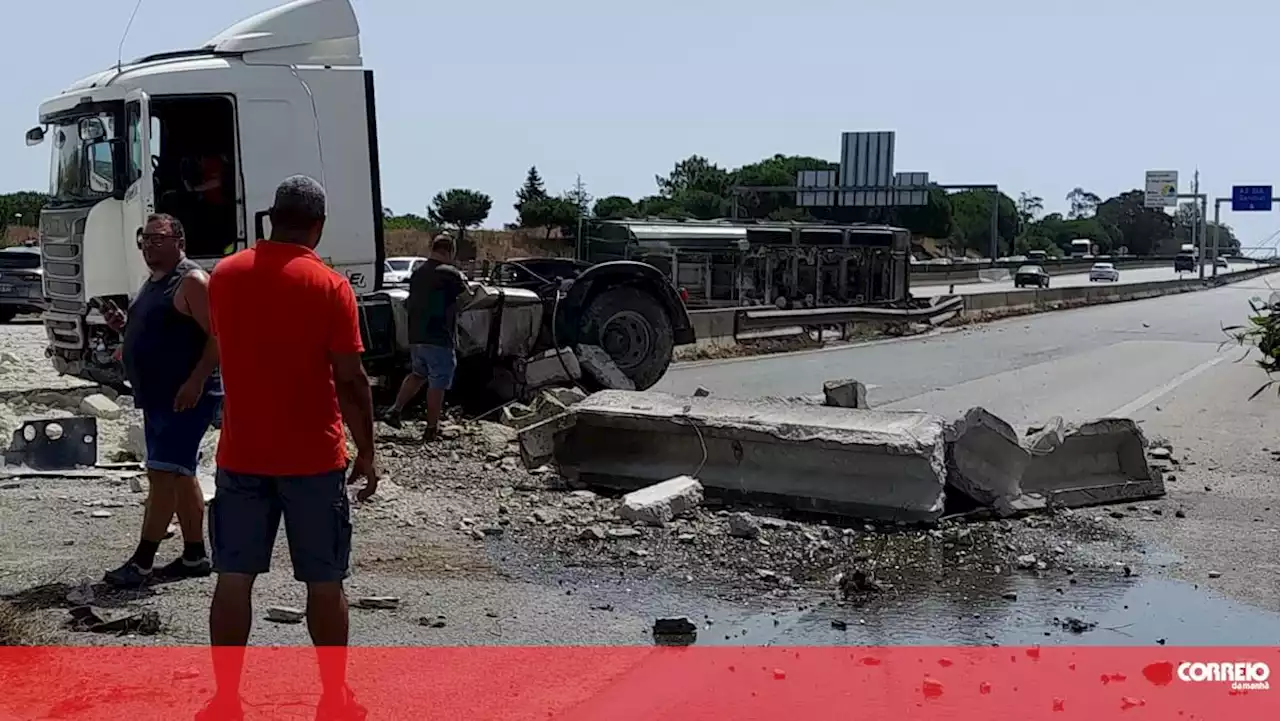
(847, 393)
(538, 442)
(101, 407)
(565, 396)
(987, 458)
(659, 504)
(599, 365)
(1044, 437)
(864, 463)
(1092, 463)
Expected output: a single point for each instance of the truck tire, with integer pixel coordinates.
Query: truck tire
(633, 328)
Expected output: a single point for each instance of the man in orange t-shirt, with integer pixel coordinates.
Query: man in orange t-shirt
(289, 341)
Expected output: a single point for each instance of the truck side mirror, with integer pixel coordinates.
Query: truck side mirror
(92, 130)
(35, 136)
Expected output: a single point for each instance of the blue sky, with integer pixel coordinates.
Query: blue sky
(1032, 96)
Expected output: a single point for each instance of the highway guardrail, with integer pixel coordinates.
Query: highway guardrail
(726, 325)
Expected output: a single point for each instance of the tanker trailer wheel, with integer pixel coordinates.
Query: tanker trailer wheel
(633, 328)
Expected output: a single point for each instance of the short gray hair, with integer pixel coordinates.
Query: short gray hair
(299, 199)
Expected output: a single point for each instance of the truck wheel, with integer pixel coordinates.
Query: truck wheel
(633, 328)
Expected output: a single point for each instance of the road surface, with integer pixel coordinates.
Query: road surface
(1077, 363)
(1135, 275)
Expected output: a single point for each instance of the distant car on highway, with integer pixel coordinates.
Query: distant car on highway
(1184, 262)
(1031, 276)
(1104, 272)
(21, 282)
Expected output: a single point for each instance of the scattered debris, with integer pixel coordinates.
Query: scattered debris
(101, 407)
(674, 632)
(701, 392)
(433, 621)
(387, 603)
(285, 614)
(599, 365)
(743, 525)
(100, 514)
(660, 503)
(93, 620)
(847, 393)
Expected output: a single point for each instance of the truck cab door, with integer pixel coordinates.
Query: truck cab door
(141, 154)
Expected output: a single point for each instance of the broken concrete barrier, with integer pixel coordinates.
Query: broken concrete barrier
(846, 393)
(987, 458)
(538, 442)
(1092, 463)
(101, 407)
(876, 464)
(599, 365)
(659, 504)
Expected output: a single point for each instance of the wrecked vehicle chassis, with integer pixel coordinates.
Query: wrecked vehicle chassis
(507, 335)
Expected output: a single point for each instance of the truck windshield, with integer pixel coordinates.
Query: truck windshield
(82, 170)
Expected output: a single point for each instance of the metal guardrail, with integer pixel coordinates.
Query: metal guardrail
(755, 320)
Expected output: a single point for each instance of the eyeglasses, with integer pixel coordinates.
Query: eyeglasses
(153, 239)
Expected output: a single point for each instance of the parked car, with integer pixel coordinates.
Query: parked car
(21, 282)
(1104, 272)
(1031, 276)
(396, 271)
(1184, 262)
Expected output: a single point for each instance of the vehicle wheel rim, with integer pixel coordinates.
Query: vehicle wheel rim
(627, 339)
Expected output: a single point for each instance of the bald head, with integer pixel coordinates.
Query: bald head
(298, 213)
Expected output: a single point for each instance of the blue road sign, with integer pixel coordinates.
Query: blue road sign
(1251, 197)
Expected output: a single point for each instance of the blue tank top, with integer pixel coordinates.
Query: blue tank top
(161, 345)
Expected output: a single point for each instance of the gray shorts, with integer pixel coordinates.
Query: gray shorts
(245, 515)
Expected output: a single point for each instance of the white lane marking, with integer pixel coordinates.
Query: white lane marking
(1156, 394)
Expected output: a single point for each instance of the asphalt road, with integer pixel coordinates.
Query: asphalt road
(1135, 275)
(1103, 360)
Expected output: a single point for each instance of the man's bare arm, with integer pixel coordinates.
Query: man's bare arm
(192, 299)
(355, 398)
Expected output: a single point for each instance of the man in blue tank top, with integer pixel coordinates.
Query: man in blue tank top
(171, 361)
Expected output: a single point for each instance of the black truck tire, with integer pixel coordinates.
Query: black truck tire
(634, 329)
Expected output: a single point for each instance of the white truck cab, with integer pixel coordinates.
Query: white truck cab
(206, 135)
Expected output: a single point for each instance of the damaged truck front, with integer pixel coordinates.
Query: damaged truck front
(282, 93)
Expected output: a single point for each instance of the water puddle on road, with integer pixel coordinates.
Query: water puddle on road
(1128, 612)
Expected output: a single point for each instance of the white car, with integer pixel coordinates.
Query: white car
(396, 271)
(1104, 272)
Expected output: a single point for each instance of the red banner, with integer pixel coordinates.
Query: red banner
(688, 684)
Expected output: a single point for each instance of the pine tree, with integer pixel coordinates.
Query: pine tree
(533, 190)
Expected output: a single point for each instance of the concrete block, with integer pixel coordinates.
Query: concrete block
(987, 458)
(565, 396)
(538, 442)
(545, 368)
(862, 463)
(101, 407)
(846, 393)
(1092, 463)
(600, 366)
(660, 503)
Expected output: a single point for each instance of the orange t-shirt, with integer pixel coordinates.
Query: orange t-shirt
(278, 313)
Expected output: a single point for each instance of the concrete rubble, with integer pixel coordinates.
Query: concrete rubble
(987, 458)
(550, 402)
(847, 393)
(599, 365)
(890, 465)
(660, 504)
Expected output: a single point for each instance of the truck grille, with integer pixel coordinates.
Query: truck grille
(62, 253)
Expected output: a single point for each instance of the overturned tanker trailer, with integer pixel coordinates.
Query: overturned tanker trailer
(541, 322)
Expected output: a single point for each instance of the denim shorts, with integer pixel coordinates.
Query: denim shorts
(173, 437)
(436, 363)
(245, 516)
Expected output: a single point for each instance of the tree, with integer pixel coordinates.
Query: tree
(580, 198)
(21, 208)
(694, 173)
(614, 207)
(1133, 225)
(971, 218)
(1029, 207)
(1082, 202)
(460, 208)
(408, 222)
(779, 170)
(532, 190)
(550, 213)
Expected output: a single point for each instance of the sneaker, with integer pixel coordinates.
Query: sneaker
(429, 434)
(126, 576)
(180, 567)
(221, 709)
(340, 708)
(393, 418)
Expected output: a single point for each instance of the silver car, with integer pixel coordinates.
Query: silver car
(1105, 272)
